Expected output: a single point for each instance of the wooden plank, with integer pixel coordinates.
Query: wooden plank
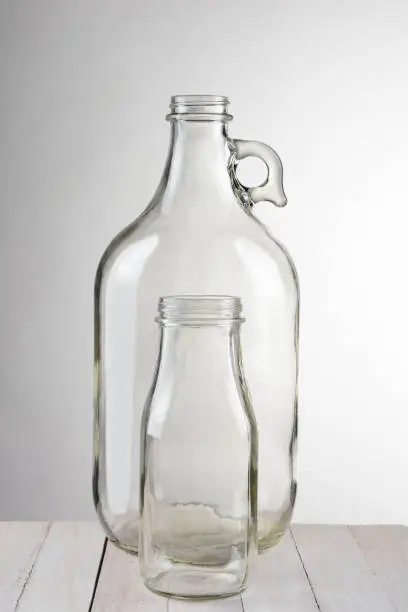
(386, 550)
(357, 569)
(120, 587)
(280, 582)
(64, 575)
(338, 572)
(20, 545)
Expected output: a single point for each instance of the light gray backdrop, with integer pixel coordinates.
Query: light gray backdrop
(86, 87)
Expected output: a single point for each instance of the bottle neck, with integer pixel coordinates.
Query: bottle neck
(191, 354)
(197, 166)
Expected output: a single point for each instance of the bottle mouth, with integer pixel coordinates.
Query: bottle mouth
(199, 310)
(199, 108)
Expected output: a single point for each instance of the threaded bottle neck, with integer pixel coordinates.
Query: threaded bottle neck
(199, 108)
(199, 310)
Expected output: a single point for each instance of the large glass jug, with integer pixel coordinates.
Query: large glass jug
(198, 236)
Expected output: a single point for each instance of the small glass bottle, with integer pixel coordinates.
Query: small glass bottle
(199, 445)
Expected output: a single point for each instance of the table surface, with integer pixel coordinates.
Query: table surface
(69, 567)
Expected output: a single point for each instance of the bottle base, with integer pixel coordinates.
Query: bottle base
(124, 532)
(196, 584)
(131, 550)
(270, 541)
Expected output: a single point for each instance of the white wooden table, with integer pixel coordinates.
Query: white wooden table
(69, 567)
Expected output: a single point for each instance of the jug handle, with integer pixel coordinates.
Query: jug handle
(271, 190)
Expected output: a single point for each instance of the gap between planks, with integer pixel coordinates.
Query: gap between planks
(63, 576)
(69, 567)
(279, 583)
(21, 544)
(120, 588)
(338, 571)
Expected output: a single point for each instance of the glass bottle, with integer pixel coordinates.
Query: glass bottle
(197, 236)
(198, 454)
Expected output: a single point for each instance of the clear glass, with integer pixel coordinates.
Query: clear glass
(197, 236)
(198, 454)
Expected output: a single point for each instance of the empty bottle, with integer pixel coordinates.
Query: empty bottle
(198, 454)
(199, 235)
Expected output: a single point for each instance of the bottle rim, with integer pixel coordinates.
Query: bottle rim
(199, 310)
(203, 107)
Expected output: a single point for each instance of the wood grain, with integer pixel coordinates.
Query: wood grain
(120, 587)
(20, 545)
(63, 576)
(338, 571)
(54, 568)
(386, 551)
(280, 582)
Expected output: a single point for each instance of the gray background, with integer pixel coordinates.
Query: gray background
(86, 87)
